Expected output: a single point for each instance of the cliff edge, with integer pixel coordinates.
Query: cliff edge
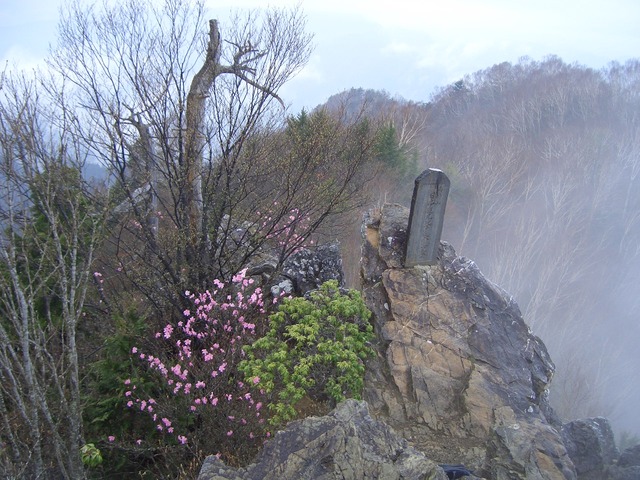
(458, 374)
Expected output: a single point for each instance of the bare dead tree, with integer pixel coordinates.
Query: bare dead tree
(135, 78)
(201, 117)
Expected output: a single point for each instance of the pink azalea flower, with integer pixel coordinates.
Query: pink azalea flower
(168, 330)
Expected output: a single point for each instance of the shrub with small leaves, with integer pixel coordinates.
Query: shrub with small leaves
(314, 347)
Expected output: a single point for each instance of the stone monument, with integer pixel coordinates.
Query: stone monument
(426, 218)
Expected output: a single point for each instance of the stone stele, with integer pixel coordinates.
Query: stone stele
(426, 218)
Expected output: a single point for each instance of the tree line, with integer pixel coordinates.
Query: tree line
(543, 158)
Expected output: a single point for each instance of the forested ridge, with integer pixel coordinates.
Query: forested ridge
(128, 307)
(545, 157)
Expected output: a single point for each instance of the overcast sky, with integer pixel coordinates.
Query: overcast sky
(406, 47)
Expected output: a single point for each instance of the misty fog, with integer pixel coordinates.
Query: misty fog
(544, 163)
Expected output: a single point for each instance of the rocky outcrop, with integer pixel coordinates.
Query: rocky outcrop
(458, 374)
(591, 446)
(627, 466)
(458, 379)
(302, 272)
(346, 444)
(308, 269)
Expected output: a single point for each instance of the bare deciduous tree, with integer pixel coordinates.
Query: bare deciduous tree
(190, 125)
(50, 229)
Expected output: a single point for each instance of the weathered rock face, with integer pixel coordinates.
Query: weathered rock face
(346, 444)
(459, 373)
(458, 376)
(591, 446)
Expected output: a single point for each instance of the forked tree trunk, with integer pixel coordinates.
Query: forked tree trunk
(195, 141)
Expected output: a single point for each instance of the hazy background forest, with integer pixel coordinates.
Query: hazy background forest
(543, 159)
(207, 173)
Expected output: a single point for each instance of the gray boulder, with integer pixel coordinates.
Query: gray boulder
(591, 446)
(301, 273)
(630, 457)
(307, 269)
(628, 465)
(346, 444)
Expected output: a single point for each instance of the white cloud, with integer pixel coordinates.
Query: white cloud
(399, 47)
(377, 43)
(312, 71)
(20, 58)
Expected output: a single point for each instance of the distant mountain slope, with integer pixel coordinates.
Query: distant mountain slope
(94, 171)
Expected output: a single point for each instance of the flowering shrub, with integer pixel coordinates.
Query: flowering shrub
(313, 347)
(201, 400)
(287, 229)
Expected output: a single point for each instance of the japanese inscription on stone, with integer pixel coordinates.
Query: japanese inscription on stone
(426, 218)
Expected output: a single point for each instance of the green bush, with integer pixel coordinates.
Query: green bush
(105, 413)
(314, 347)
